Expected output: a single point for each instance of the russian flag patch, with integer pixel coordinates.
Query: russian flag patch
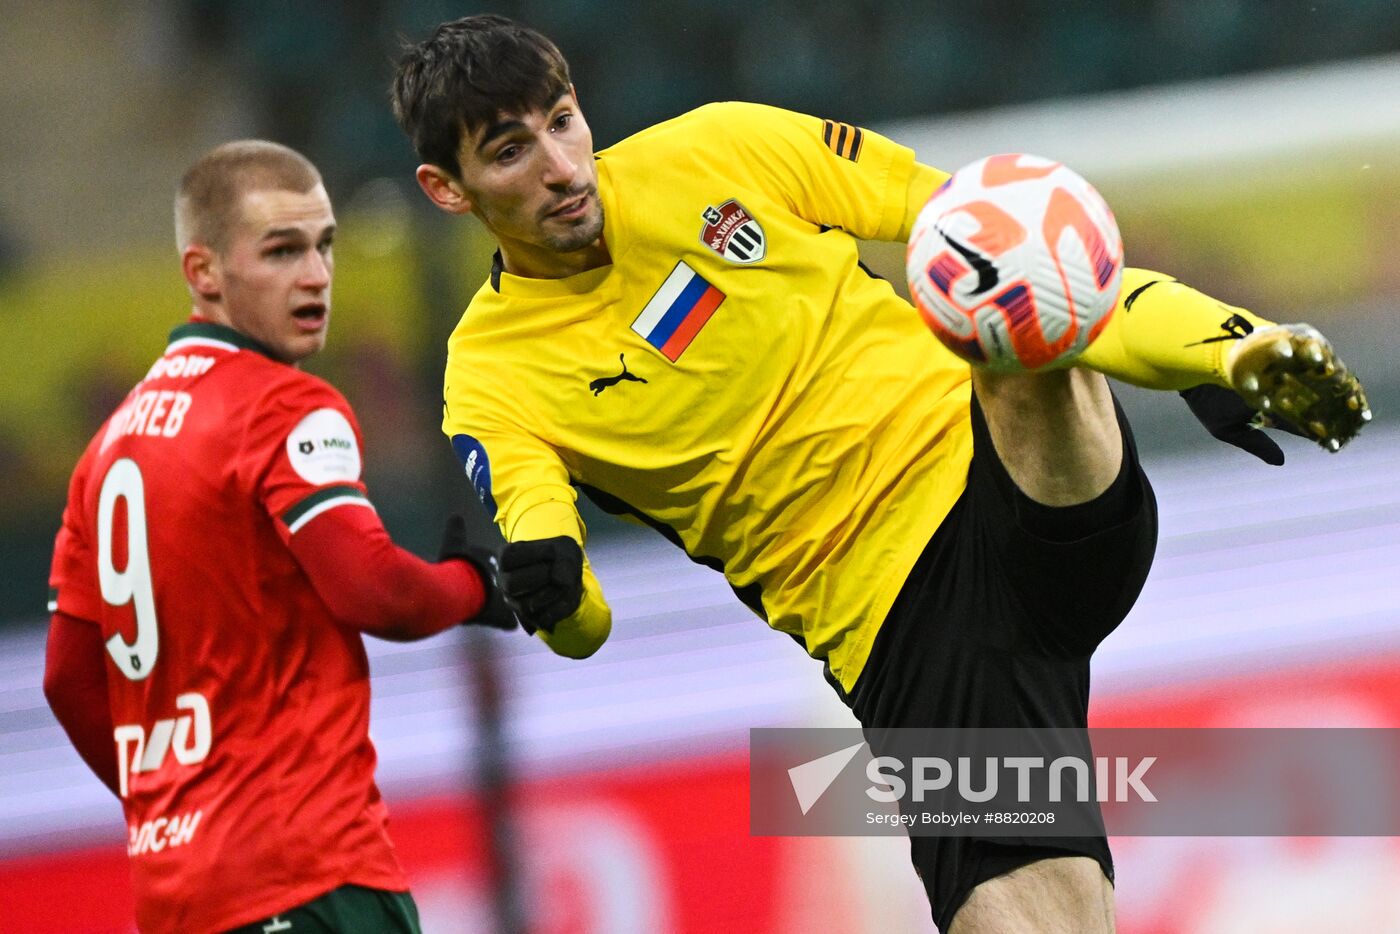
(677, 312)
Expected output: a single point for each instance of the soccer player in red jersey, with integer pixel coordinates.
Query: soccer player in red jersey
(217, 564)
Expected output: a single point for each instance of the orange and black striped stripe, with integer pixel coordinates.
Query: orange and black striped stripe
(842, 139)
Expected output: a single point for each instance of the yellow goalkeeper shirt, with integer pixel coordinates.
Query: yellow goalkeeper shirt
(734, 378)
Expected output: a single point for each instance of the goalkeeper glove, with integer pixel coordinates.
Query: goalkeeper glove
(541, 580)
(1230, 419)
(456, 544)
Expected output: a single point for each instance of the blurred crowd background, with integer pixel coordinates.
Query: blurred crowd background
(1251, 147)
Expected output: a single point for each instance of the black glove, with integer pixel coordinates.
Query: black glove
(541, 580)
(455, 544)
(1230, 419)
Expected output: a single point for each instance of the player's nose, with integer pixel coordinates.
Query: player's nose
(559, 166)
(316, 271)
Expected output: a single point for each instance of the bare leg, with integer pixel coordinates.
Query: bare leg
(1058, 436)
(1055, 432)
(1064, 895)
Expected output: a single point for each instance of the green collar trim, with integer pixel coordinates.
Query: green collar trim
(209, 331)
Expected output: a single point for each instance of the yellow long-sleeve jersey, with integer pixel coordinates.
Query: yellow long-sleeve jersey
(733, 378)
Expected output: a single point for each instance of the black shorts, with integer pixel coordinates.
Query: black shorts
(350, 909)
(994, 627)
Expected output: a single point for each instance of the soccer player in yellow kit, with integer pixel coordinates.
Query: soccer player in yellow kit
(680, 327)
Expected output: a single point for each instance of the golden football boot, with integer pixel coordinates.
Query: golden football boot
(1291, 374)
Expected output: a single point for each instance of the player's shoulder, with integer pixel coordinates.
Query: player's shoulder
(307, 418)
(267, 400)
(708, 124)
(478, 321)
(87, 459)
(294, 391)
(294, 382)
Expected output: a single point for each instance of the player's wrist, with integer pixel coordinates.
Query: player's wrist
(542, 580)
(490, 610)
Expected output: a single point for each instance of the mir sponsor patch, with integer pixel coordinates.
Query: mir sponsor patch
(322, 448)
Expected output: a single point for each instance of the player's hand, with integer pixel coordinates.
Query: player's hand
(541, 580)
(457, 545)
(1230, 419)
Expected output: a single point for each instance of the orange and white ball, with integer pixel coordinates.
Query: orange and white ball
(1015, 263)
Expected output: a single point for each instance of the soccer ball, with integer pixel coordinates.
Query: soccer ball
(1015, 263)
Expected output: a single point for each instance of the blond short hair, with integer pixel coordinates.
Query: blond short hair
(211, 193)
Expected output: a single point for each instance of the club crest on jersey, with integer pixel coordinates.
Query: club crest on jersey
(732, 232)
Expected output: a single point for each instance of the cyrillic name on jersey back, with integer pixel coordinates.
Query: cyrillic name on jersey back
(158, 413)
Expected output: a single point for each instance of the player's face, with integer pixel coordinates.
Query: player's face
(275, 274)
(532, 181)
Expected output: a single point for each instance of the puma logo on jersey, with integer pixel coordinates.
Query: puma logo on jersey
(603, 382)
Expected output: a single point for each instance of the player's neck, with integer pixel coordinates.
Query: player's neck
(533, 262)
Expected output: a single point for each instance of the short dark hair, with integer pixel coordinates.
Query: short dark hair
(468, 72)
(211, 193)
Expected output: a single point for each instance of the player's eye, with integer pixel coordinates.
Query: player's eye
(562, 121)
(507, 153)
(283, 251)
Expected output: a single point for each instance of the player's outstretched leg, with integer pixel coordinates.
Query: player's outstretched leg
(1068, 895)
(1058, 437)
(1290, 373)
(1166, 335)
(1056, 432)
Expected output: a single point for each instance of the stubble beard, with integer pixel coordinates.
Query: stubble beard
(576, 238)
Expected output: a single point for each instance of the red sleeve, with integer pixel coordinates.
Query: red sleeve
(75, 684)
(373, 585)
(301, 452)
(73, 581)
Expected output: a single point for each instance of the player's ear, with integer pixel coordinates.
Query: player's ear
(442, 189)
(201, 272)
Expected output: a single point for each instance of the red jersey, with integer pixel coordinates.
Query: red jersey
(241, 708)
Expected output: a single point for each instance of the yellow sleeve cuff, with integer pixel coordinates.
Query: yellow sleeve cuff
(547, 519)
(584, 632)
